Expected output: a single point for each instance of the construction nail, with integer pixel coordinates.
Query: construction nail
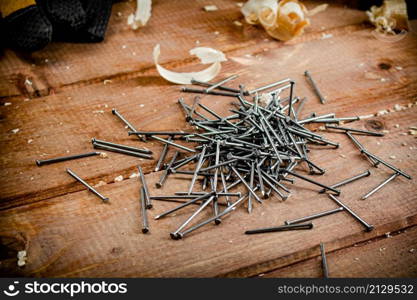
(359, 219)
(315, 88)
(314, 216)
(392, 177)
(40, 162)
(349, 180)
(281, 228)
(89, 187)
(145, 188)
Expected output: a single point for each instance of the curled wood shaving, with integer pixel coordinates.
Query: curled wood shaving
(206, 56)
(390, 17)
(141, 15)
(283, 20)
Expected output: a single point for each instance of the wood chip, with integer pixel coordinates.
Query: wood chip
(210, 8)
(21, 258)
(118, 178)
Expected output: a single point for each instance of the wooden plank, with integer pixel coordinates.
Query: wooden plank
(126, 53)
(393, 256)
(77, 235)
(68, 120)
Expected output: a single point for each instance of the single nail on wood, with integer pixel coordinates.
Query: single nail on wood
(349, 180)
(281, 228)
(41, 162)
(315, 216)
(345, 129)
(381, 185)
(315, 87)
(89, 187)
(386, 164)
(353, 214)
(216, 85)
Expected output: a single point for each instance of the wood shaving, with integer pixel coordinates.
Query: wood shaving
(118, 178)
(141, 15)
(106, 81)
(237, 23)
(16, 130)
(397, 126)
(134, 175)
(30, 141)
(392, 157)
(7, 103)
(103, 155)
(390, 17)
(412, 132)
(98, 111)
(382, 112)
(100, 183)
(403, 144)
(282, 20)
(210, 8)
(21, 258)
(398, 107)
(206, 56)
(399, 68)
(326, 36)
(412, 250)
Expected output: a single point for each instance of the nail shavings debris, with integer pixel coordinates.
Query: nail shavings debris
(134, 175)
(237, 23)
(326, 36)
(21, 258)
(28, 81)
(100, 183)
(206, 56)
(283, 20)
(141, 15)
(7, 103)
(103, 155)
(98, 112)
(30, 141)
(106, 81)
(16, 130)
(118, 178)
(210, 8)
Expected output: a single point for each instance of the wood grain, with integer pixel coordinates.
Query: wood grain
(61, 66)
(68, 120)
(68, 232)
(75, 234)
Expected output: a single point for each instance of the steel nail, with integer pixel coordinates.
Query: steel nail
(89, 187)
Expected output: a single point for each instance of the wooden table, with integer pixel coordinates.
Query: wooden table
(61, 97)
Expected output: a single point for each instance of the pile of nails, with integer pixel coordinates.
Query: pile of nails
(257, 147)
